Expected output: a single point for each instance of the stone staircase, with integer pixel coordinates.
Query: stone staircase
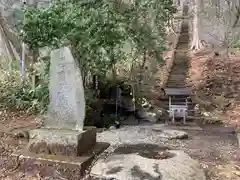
(178, 75)
(179, 72)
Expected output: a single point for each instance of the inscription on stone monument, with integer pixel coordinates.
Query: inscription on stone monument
(67, 103)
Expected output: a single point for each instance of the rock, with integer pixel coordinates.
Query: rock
(206, 114)
(112, 128)
(171, 134)
(141, 113)
(22, 134)
(151, 115)
(158, 111)
(138, 167)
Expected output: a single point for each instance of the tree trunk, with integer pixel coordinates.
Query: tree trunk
(11, 56)
(196, 41)
(33, 71)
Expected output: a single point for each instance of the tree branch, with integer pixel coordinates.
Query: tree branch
(237, 17)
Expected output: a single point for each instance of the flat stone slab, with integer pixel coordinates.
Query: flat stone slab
(71, 167)
(169, 133)
(61, 142)
(173, 134)
(168, 165)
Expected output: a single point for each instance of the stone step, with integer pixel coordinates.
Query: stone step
(176, 86)
(68, 163)
(180, 56)
(177, 80)
(180, 67)
(184, 36)
(180, 61)
(179, 64)
(178, 72)
(177, 76)
(183, 39)
(175, 72)
(177, 83)
(180, 81)
(182, 46)
(184, 33)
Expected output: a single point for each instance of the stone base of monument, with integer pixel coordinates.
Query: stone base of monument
(61, 141)
(70, 150)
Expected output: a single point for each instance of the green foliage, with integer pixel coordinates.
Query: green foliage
(98, 30)
(25, 98)
(236, 44)
(46, 27)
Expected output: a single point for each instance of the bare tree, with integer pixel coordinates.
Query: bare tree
(223, 15)
(197, 26)
(224, 20)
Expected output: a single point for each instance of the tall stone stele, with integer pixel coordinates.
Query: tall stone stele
(63, 131)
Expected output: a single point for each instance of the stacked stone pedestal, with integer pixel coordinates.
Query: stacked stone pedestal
(62, 142)
(62, 150)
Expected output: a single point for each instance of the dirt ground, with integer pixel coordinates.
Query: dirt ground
(215, 148)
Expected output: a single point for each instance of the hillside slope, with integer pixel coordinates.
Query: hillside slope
(214, 91)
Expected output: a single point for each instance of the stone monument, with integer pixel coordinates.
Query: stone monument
(67, 102)
(63, 134)
(63, 127)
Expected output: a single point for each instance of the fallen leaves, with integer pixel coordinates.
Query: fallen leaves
(208, 76)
